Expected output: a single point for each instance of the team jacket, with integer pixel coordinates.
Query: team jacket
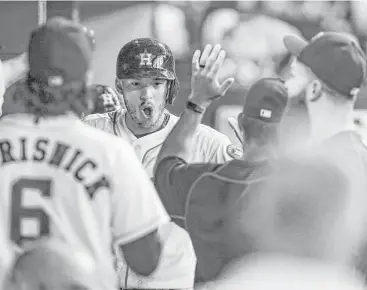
(178, 260)
(207, 200)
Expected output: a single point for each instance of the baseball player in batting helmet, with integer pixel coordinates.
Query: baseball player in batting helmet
(147, 58)
(145, 76)
(105, 99)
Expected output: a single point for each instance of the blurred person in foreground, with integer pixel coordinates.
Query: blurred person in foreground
(301, 227)
(7, 250)
(13, 102)
(51, 265)
(327, 73)
(62, 178)
(207, 198)
(11, 71)
(106, 100)
(146, 78)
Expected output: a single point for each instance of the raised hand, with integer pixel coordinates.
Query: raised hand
(204, 80)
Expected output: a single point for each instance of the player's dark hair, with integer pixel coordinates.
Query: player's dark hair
(259, 132)
(48, 101)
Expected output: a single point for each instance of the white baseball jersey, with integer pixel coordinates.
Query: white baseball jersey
(210, 145)
(178, 260)
(6, 250)
(62, 178)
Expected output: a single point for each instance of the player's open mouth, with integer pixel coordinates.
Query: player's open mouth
(147, 111)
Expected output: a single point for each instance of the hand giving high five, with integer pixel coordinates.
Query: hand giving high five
(204, 80)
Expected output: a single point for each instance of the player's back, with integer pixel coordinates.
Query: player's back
(349, 153)
(214, 212)
(56, 181)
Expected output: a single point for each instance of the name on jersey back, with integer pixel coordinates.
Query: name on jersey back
(56, 154)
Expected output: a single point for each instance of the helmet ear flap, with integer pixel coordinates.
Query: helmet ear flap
(173, 88)
(118, 86)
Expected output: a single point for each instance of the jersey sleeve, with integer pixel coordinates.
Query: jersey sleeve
(105, 122)
(173, 180)
(216, 147)
(136, 207)
(99, 121)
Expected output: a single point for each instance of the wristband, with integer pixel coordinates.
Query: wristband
(195, 107)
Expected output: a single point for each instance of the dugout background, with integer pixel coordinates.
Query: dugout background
(250, 31)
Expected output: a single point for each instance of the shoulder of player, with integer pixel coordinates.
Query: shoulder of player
(99, 138)
(97, 135)
(105, 117)
(95, 119)
(106, 146)
(203, 131)
(215, 139)
(209, 133)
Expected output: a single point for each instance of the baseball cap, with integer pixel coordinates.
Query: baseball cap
(266, 100)
(334, 57)
(59, 52)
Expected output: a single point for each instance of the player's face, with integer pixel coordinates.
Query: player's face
(145, 100)
(298, 80)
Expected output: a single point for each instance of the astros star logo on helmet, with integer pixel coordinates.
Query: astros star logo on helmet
(145, 58)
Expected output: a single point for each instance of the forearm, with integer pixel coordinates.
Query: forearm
(179, 141)
(204, 89)
(142, 255)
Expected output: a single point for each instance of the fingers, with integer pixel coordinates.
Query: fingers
(225, 86)
(204, 57)
(195, 61)
(217, 65)
(204, 82)
(212, 58)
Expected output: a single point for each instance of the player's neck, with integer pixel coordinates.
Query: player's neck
(138, 130)
(253, 153)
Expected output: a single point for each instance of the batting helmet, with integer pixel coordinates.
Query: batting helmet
(147, 57)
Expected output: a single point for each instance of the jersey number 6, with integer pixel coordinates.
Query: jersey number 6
(21, 213)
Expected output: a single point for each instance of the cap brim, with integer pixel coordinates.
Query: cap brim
(295, 45)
